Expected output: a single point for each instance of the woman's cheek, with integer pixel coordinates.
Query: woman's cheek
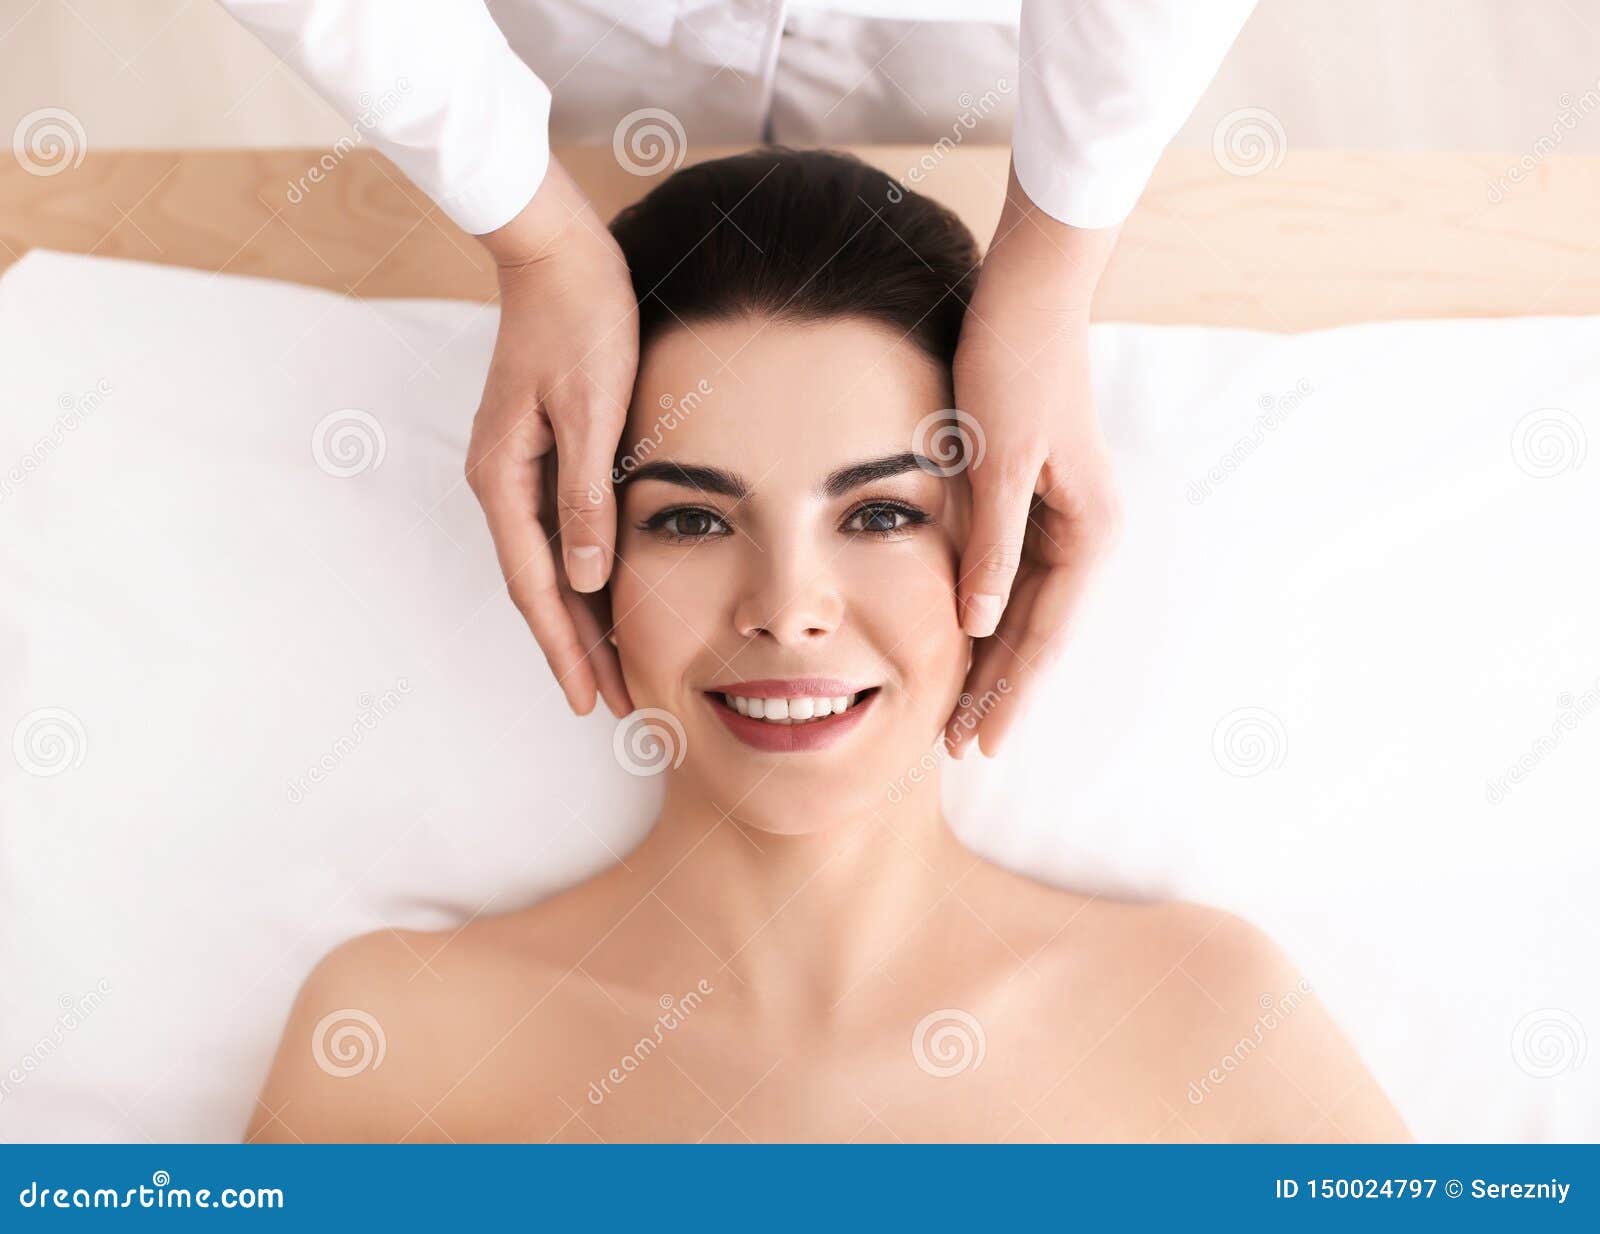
(662, 608)
(905, 594)
(641, 634)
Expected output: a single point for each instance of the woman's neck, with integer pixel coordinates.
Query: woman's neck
(798, 921)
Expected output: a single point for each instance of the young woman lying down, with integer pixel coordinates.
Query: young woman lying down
(800, 949)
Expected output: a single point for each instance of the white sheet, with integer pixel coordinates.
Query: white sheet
(1380, 607)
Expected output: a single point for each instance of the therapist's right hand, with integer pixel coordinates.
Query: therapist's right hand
(560, 379)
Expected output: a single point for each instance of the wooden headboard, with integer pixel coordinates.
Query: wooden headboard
(1324, 239)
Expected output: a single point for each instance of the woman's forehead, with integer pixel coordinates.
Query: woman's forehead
(812, 394)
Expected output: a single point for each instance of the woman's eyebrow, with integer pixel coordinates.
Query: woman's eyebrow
(691, 475)
(854, 476)
(708, 479)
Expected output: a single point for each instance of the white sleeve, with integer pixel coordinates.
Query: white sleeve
(434, 85)
(1105, 84)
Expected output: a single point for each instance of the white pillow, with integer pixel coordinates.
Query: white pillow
(1289, 695)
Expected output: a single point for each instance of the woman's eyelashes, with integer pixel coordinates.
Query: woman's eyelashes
(686, 524)
(880, 519)
(886, 518)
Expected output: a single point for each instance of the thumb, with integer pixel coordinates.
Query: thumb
(585, 501)
(1002, 493)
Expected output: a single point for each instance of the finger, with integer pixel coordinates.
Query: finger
(600, 654)
(613, 688)
(1020, 681)
(1013, 682)
(998, 677)
(509, 496)
(1040, 622)
(1045, 603)
(965, 719)
(586, 444)
(1002, 492)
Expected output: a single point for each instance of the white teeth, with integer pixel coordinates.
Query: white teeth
(790, 710)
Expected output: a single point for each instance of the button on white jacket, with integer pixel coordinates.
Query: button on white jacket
(1101, 88)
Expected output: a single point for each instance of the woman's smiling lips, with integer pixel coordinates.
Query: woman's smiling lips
(780, 715)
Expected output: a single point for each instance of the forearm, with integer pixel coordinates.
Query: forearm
(1043, 262)
(556, 211)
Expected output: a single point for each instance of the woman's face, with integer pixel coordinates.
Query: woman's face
(782, 553)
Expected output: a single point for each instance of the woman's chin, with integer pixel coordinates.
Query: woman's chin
(801, 799)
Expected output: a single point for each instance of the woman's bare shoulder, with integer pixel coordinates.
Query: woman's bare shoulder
(1048, 919)
(1091, 928)
(1229, 1033)
(391, 1024)
(1221, 1033)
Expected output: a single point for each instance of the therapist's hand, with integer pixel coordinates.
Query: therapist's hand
(1045, 504)
(560, 380)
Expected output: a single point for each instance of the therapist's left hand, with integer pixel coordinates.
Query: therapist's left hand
(1045, 502)
(554, 404)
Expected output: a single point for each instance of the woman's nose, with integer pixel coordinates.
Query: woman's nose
(790, 604)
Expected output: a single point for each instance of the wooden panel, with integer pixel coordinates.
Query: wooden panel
(1324, 239)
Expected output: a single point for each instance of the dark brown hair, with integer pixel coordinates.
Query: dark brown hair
(802, 235)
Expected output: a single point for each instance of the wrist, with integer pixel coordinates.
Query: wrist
(1060, 263)
(552, 217)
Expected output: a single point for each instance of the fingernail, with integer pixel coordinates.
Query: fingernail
(583, 568)
(983, 615)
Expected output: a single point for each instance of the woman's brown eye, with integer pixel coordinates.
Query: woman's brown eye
(882, 520)
(687, 524)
